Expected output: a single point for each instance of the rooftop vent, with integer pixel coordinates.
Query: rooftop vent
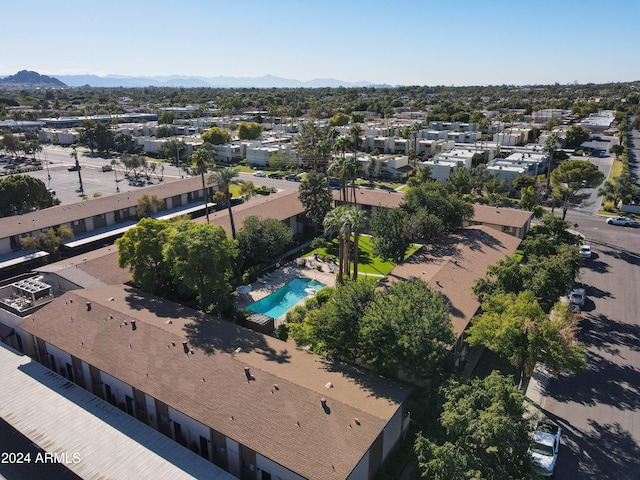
(185, 347)
(133, 325)
(88, 306)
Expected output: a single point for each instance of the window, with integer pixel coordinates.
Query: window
(248, 465)
(508, 229)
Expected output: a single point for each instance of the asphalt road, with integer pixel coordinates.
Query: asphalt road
(599, 409)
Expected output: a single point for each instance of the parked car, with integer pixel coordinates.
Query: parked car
(334, 183)
(544, 451)
(577, 296)
(585, 251)
(259, 173)
(51, 191)
(107, 168)
(274, 175)
(292, 177)
(624, 221)
(73, 168)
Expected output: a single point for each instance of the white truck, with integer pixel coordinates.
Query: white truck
(544, 450)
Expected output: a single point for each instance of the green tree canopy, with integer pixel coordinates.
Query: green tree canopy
(408, 329)
(390, 237)
(249, 131)
(576, 136)
(216, 136)
(262, 240)
(22, 193)
(572, 176)
(484, 433)
(140, 249)
(201, 260)
(315, 197)
(339, 119)
(517, 328)
(280, 161)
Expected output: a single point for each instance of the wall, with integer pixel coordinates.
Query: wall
(119, 390)
(191, 430)
(274, 469)
(233, 457)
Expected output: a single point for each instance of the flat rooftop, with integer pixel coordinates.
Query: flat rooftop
(61, 417)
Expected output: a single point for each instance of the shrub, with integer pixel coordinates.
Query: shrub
(283, 332)
(319, 242)
(296, 314)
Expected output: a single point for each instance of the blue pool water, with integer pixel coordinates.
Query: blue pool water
(280, 301)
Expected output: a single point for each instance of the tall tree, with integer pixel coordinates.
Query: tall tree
(550, 147)
(336, 325)
(337, 222)
(74, 155)
(390, 239)
(201, 161)
(315, 197)
(201, 258)
(224, 179)
(485, 433)
(517, 328)
(22, 193)
(415, 339)
(140, 249)
(359, 222)
(572, 176)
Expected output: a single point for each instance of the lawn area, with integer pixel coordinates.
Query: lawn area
(367, 262)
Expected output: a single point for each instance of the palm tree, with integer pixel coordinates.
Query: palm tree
(338, 221)
(550, 146)
(355, 131)
(358, 221)
(224, 179)
(74, 155)
(352, 168)
(201, 161)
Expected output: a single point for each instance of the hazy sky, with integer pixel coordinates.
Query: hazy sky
(397, 42)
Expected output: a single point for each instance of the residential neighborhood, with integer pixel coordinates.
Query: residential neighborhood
(234, 290)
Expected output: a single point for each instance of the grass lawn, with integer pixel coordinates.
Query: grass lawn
(367, 262)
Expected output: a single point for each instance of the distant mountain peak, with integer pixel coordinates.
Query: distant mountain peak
(31, 79)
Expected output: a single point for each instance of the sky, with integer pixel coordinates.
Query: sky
(394, 42)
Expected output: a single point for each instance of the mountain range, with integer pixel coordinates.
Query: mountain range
(27, 78)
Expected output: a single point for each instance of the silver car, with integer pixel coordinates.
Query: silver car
(624, 221)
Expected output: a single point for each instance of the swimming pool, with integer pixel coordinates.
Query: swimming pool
(279, 302)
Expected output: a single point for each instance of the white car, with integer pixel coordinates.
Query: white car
(585, 251)
(544, 451)
(624, 221)
(577, 296)
(259, 173)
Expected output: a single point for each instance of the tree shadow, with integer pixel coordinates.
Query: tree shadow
(603, 382)
(212, 335)
(206, 332)
(612, 452)
(596, 265)
(604, 333)
(606, 452)
(624, 255)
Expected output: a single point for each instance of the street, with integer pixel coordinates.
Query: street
(599, 409)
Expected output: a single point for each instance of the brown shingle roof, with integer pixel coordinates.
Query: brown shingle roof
(62, 214)
(281, 206)
(511, 217)
(210, 385)
(375, 197)
(452, 266)
(100, 265)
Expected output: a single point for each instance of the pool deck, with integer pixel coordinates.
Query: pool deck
(269, 283)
